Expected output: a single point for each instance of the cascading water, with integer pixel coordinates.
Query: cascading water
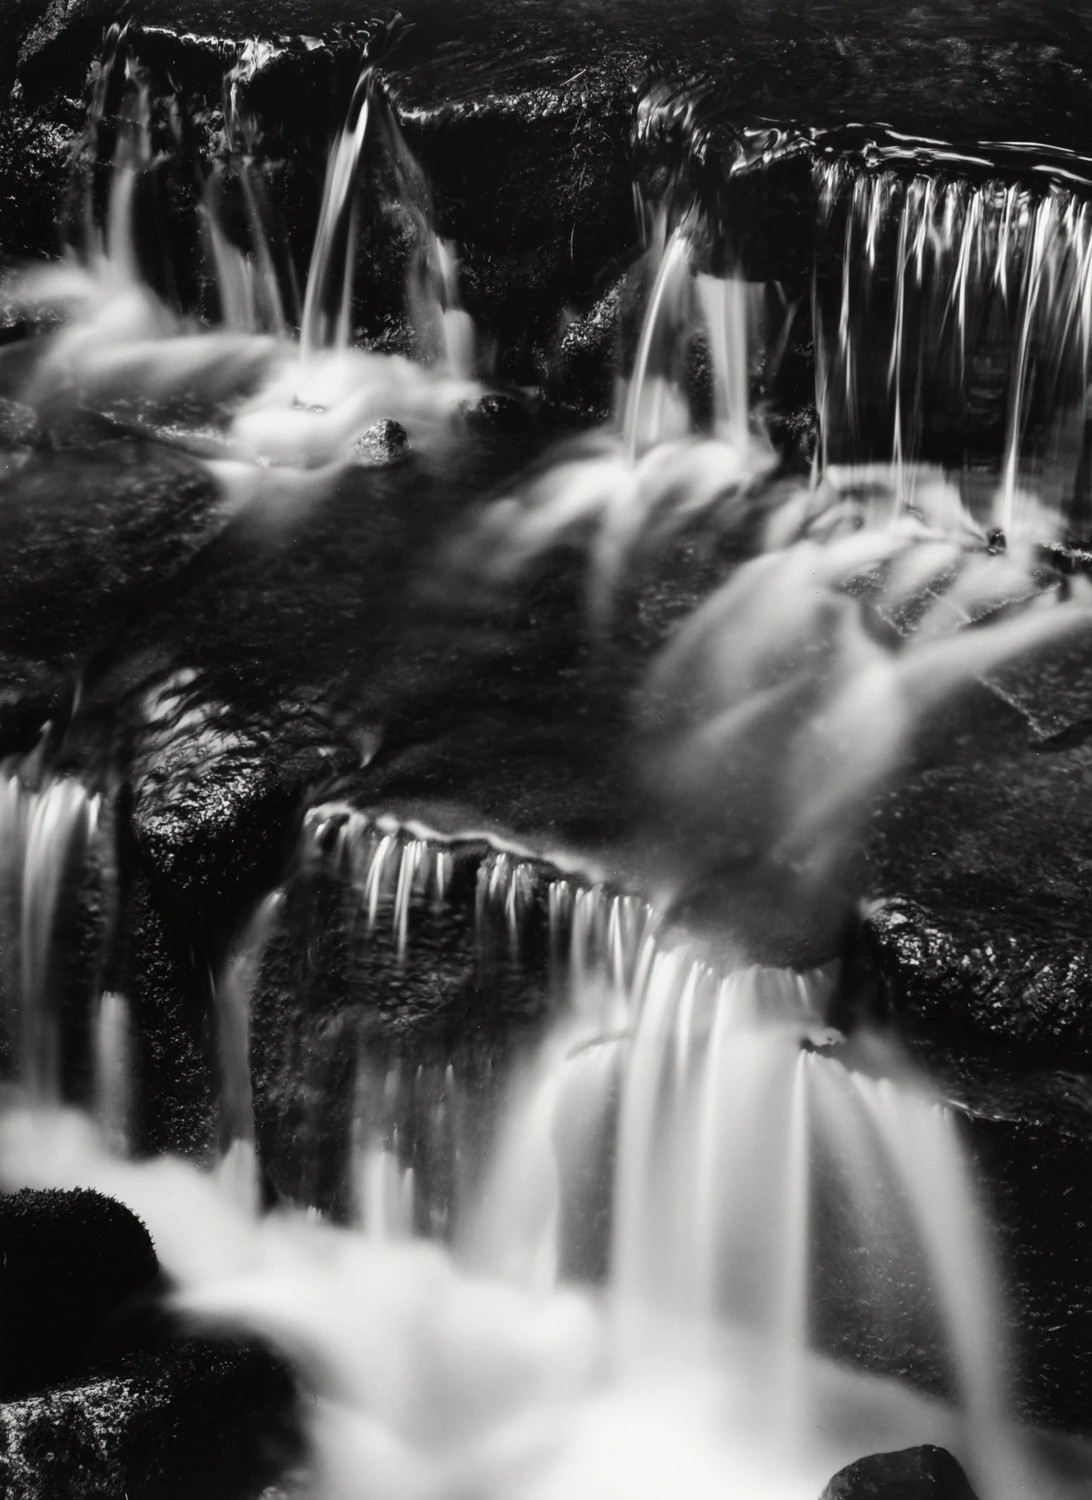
(952, 323)
(45, 831)
(622, 1280)
(725, 1110)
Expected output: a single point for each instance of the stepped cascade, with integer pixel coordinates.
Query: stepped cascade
(516, 770)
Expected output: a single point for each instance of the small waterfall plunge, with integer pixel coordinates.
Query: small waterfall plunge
(698, 1142)
(658, 1234)
(46, 828)
(952, 323)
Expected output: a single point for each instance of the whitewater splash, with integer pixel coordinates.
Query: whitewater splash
(244, 394)
(686, 1164)
(478, 1371)
(739, 1146)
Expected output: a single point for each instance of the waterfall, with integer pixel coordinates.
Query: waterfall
(113, 1072)
(621, 1232)
(232, 994)
(742, 1143)
(46, 827)
(730, 1118)
(952, 324)
(328, 304)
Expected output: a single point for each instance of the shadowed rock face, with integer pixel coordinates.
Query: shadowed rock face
(69, 1260)
(87, 536)
(194, 1418)
(925, 1473)
(983, 934)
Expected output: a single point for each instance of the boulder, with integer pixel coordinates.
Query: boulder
(68, 1261)
(193, 1418)
(925, 1473)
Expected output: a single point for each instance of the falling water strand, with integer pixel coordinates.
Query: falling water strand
(113, 1072)
(920, 1141)
(247, 283)
(44, 834)
(234, 991)
(247, 280)
(1042, 234)
(385, 1186)
(386, 1195)
(327, 308)
(725, 305)
(793, 1297)
(989, 310)
(459, 344)
(132, 155)
(649, 414)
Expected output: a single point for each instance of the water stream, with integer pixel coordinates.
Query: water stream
(631, 1292)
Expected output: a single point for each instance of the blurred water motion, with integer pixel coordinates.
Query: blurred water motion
(632, 1291)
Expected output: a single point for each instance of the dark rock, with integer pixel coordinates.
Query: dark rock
(497, 412)
(1053, 693)
(161, 966)
(578, 371)
(981, 935)
(34, 156)
(193, 1418)
(57, 47)
(1031, 1175)
(1028, 1138)
(201, 780)
(212, 811)
(90, 536)
(31, 693)
(68, 1260)
(1029, 1134)
(925, 1473)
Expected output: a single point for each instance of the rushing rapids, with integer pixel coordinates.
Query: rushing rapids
(634, 1247)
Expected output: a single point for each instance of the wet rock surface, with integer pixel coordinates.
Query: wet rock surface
(89, 537)
(982, 870)
(68, 1261)
(979, 948)
(382, 443)
(424, 954)
(1030, 1176)
(926, 1473)
(197, 1418)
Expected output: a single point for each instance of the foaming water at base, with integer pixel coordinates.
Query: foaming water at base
(244, 392)
(432, 1380)
(724, 1128)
